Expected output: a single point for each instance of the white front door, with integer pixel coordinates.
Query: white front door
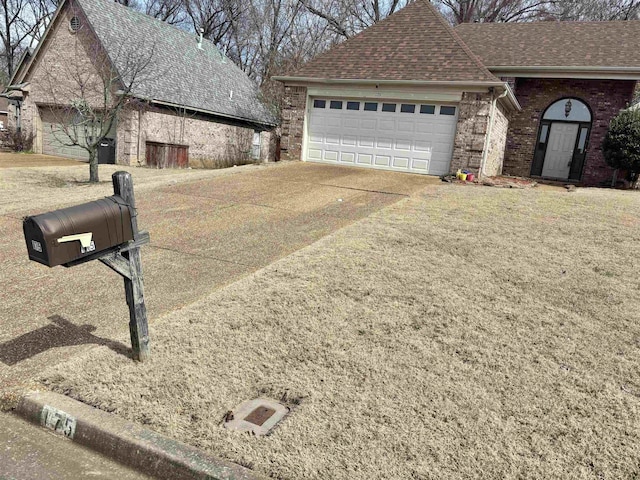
(562, 141)
(406, 136)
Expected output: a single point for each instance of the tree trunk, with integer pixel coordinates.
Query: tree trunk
(614, 180)
(93, 167)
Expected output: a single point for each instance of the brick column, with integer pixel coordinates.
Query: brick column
(473, 121)
(294, 105)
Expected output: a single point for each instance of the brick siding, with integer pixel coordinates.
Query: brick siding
(497, 141)
(293, 110)
(471, 132)
(208, 141)
(605, 98)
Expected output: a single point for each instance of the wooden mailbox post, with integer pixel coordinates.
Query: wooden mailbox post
(104, 230)
(127, 263)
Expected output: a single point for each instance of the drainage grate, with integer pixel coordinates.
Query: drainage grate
(258, 416)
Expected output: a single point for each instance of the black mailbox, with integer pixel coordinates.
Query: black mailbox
(71, 234)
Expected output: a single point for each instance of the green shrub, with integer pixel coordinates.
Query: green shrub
(621, 145)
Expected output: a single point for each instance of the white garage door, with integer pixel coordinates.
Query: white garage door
(391, 135)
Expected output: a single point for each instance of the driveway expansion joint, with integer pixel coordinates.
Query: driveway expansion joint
(365, 190)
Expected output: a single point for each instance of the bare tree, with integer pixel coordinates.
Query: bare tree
(214, 17)
(169, 11)
(348, 17)
(22, 21)
(468, 11)
(597, 10)
(88, 97)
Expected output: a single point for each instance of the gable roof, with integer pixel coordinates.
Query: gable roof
(591, 45)
(181, 74)
(413, 44)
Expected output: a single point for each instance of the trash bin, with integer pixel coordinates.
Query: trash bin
(107, 151)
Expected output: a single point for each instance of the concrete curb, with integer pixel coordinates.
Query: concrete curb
(127, 443)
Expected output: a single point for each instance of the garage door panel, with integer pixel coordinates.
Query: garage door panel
(364, 159)
(350, 122)
(348, 157)
(368, 124)
(349, 140)
(384, 143)
(406, 140)
(400, 162)
(366, 142)
(422, 146)
(315, 154)
(332, 138)
(406, 126)
(382, 160)
(330, 155)
(403, 144)
(386, 125)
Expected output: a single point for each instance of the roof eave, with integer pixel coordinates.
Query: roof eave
(368, 81)
(208, 112)
(563, 71)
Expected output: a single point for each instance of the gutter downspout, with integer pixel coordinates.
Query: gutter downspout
(485, 153)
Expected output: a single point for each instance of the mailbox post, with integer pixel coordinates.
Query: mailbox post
(133, 282)
(104, 230)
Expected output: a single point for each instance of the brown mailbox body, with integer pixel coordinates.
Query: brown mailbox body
(107, 219)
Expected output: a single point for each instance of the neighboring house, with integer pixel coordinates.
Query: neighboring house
(194, 104)
(413, 94)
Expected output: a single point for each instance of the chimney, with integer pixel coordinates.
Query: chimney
(200, 39)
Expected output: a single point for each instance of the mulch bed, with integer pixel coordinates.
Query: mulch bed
(500, 181)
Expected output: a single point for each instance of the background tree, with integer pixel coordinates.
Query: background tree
(621, 145)
(596, 10)
(468, 11)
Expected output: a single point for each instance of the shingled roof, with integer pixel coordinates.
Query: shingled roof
(573, 44)
(414, 44)
(201, 79)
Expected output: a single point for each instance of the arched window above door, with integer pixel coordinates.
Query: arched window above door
(568, 110)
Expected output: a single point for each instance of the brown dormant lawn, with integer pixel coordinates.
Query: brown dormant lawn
(465, 332)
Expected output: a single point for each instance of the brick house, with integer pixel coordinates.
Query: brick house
(192, 106)
(414, 94)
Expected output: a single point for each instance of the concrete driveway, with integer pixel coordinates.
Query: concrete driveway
(205, 234)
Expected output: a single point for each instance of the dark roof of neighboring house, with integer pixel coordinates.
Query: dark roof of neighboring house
(570, 44)
(414, 44)
(184, 75)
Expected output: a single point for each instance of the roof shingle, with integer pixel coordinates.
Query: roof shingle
(187, 76)
(415, 43)
(575, 44)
